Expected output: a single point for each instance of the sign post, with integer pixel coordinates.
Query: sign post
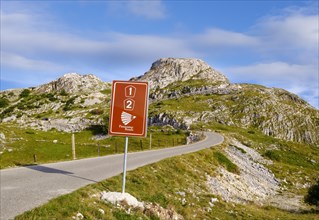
(124, 165)
(128, 117)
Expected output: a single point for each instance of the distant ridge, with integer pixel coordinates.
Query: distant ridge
(185, 93)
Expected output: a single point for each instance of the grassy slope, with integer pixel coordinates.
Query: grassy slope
(159, 183)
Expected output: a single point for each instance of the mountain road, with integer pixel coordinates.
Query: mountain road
(25, 188)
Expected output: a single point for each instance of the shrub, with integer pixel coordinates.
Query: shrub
(273, 155)
(312, 198)
(24, 93)
(4, 102)
(51, 97)
(63, 93)
(8, 110)
(69, 103)
(97, 111)
(21, 106)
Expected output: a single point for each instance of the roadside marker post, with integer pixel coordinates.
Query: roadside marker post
(128, 116)
(73, 147)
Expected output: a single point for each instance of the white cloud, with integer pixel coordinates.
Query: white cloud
(275, 71)
(29, 44)
(23, 34)
(220, 38)
(293, 35)
(154, 9)
(296, 29)
(145, 46)
(148, 9)
(20, 62)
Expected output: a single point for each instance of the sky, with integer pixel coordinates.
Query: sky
(272, 43)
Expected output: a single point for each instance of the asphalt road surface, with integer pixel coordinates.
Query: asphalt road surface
(25, 188)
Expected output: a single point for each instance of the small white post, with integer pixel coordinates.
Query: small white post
(150, 140)
(73, 147)
(124, 165)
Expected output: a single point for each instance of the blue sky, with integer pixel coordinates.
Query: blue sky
(272, 43)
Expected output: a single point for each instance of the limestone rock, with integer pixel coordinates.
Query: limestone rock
(168, 70)
(2, 137)
(255, 183)
(73, 82)
(117, 197)
(121, 200)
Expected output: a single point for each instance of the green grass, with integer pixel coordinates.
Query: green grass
(159, 183)
(191, 83)
(22, 144)
(187, 104)
(106, 91)
(225, 162)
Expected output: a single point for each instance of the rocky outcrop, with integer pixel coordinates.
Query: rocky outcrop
(165, 119)
(222, 89)
(168, 70)
(73, 82)
(275, 112)
(255, 183)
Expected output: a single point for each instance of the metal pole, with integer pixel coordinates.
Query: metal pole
(73, 147)
(124, 164)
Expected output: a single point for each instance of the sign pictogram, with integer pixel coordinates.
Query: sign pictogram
(129, 108)
(127, 118)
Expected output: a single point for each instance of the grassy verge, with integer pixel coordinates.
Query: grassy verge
(22, 144)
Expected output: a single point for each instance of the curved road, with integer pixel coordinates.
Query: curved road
(25, 188)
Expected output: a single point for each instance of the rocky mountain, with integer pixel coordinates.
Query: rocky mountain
(71, 103)
(202, 95)
(166, 71)
(185, 93)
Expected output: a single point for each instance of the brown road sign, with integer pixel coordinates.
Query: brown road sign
(129, 108)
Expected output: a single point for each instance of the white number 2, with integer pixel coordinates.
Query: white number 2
(129, 104)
